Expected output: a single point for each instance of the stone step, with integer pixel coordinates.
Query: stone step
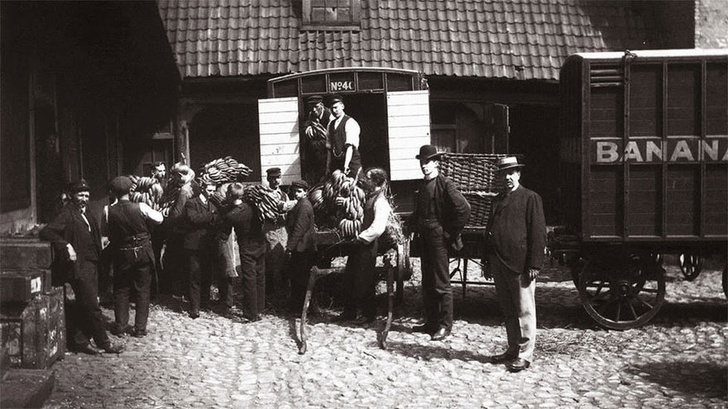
(26, 388)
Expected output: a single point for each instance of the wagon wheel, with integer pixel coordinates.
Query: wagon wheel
(622, 292)
(691, 264)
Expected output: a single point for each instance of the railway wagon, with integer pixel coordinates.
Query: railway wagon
(644, 172)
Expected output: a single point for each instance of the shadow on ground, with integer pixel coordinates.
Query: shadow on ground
(702, 379)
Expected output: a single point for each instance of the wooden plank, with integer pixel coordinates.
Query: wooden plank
(408, 119)
(279, 138)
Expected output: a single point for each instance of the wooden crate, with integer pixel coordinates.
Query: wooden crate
(24, 253)
(21, 286)
(34, 333)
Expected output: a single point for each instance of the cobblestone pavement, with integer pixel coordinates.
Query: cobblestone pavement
(677, 360)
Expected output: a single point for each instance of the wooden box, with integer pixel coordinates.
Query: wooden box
(24, 253)
(20, 286)
(34, 333)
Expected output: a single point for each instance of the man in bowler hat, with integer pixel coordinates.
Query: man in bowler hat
(76, 241)
(441, 212)
(515, 242)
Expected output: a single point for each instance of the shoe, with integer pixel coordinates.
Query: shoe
(365, 320)
(424, 329)
(441, 334)
(86, 349)
(194, 314)
(120, 331)
(503, 358)
(111, 348)
(517, 365)
(139, 333)
(345, 316)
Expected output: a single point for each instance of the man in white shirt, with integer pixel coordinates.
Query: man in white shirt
(343, 140)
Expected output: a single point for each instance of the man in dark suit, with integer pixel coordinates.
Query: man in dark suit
(301, 244)
(516, 238)
(200, 245)
(441, 212)
(76, 241)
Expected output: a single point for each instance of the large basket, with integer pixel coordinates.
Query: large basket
(480, 204)
(472, 171)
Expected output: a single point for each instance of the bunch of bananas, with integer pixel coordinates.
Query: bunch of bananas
(224, 170)
(147, 190)
(341, 194)
(266, 200)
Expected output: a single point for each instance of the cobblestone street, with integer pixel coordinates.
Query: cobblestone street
(677, 360)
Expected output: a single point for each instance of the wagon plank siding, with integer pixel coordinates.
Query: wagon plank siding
(279, 137)
(408, 116)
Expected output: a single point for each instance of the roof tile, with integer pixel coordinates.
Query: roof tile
(461, 38)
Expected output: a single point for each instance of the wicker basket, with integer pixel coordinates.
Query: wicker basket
(472, 171)
(480, 204)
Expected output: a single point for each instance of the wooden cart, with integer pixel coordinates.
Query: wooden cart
(644, 172)
(395, 266)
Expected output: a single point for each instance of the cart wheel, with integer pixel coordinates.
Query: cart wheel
(622, 292)
(690, 265)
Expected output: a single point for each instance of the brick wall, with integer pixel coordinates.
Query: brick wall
(711, 24)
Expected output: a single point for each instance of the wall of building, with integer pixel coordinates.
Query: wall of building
(711, 24)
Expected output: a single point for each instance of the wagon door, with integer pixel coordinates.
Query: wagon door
(408, 119)
(279, 140)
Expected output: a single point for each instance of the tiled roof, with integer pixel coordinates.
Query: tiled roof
(517, 39)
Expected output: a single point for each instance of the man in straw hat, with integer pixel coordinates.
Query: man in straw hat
(440, 213)
(516, 238)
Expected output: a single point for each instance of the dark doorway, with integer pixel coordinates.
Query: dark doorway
(226, 130)
(534, 134)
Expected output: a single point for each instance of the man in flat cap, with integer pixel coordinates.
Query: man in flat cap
(441, 212)
(129, 225)
(276, 236)
(343, 142)
(301, 244)
(515, 242)
(76, 241)
(316, 156)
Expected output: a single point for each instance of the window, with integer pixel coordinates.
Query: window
(331, 14)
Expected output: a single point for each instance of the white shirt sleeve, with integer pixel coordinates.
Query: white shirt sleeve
(151, 214)
(352, 130)
(381, 216)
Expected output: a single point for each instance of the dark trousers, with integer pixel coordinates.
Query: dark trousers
(160, 283)
(175, 272)
(135, 277)
(201, 267)
(300, 268)
(85, 319)
(253, 284)
(436, 289)
(360, 280)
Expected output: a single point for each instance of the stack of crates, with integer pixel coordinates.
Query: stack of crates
(32, 319)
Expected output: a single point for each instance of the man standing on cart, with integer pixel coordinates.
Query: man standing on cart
(343, 142)
(515, 242)
(441, 212)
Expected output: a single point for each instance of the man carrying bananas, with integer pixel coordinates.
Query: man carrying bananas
(360, 278)
(276, 236)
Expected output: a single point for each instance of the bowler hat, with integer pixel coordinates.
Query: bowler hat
(508, 162)
(273, 172)
(79, 186)
(299, 184)
(428, 152)
(121, 185)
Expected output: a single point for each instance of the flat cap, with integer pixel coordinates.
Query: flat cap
(273, 172)
(299, 184)
(79, 186)
(121, 185)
